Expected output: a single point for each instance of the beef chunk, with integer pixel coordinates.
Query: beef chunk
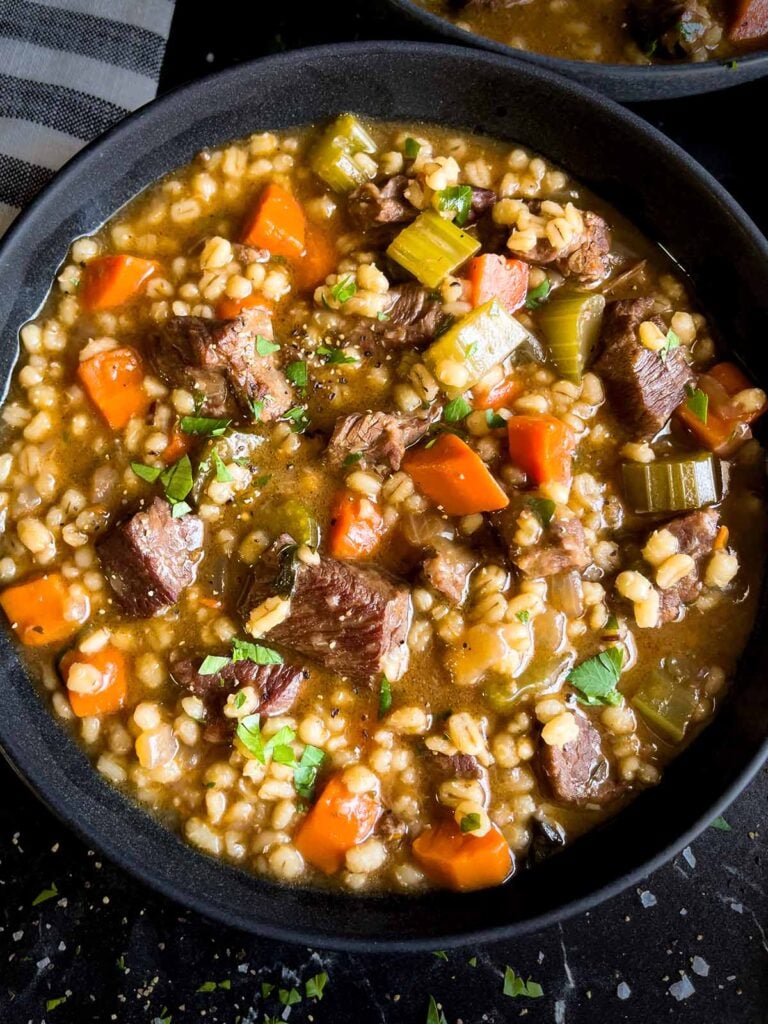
(350, 619)
(585, 258)
(391, 828)
(695, 535)
(668, 28)
(277, 685)
(413, 317)
(579, 772)
(562, 545)
(373, 205)
(380, 437)
(482, 202)
(460, 766)
(644, 390)
(218, 359)
(449, 568)
(148, 559)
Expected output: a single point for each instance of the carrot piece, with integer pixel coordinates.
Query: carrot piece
(455, 477)
(178, 445)
(750, 20)
(113, 690)
(42, 610)
(319, 261)
(721, 538)
(276, 223)
(500, 396)
(727, 424)
(543, 447)
(112, 280)
(114, 381)
(496, 277)
(458, 860)
(228, 309)
(717, 434)
(357, 526)
(338, 821)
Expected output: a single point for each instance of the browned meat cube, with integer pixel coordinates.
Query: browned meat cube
(644, 389)
(350, 619)
(380, 437)
(372, 205)
(579, 772)
(562, 546)
(218, 359)
(585, 258)
(695, 534)
(449, 568)
(150, 558)
(413, 317)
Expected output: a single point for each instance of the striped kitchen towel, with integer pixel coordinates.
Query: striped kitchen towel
(69, 69)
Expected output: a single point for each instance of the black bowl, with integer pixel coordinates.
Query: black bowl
(625, 82)
(621, 158)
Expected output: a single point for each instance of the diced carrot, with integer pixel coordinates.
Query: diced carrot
(542, 446)
(114, 380)
(209, 602)
(727, 424)
(750, 20)
(500, 396)
(178, 445)
(357, 526)
(338, 821)
(113, 689)
(277, 223)
(42, 611)
(460, 861)
(718, 435)
(319, 261)
(110, 281)
(455, 477)
(228, 309)
(496, 277)
(721, 538)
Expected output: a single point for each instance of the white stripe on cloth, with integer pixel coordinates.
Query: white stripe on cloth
(36, 144)
(57, 67)
(7, 214)
(155, 17)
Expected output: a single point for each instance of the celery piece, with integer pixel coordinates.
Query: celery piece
(461, 357)
(432, 247)
(333, 157)
(571, 322)
(673, 484)
(295, 519)
(667, 706)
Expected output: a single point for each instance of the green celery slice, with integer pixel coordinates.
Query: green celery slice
(571, 322)
(478, 342)
(666, 705)
(294, 518)
(674, 483)
(332, 159)
(431, 248)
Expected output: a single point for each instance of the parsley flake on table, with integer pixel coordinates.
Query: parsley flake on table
(440, 954)
(51, 1004)
(514, 986)
(289, 996)
(45, 895)
(596, 678)
(314, 986)
(720, 824)
(435, 1014)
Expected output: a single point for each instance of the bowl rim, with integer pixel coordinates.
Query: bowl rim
(37, 775)
(671, 76)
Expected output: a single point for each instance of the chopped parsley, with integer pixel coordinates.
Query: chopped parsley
(472, 962)
(212, 664)
(411, 148)
(239, 700)
(305, 772)
(344, 289)
(289, 996)
(671, 341)
(120, 963)
(207, 986)
(179, 509)
(297, 373)
(596, 678)
(257, 407)
(263, 480)
(543, 509)
(382, 316)
(434, 1014)
(385, 696)
(222, 473)
(457, 410)
(203, 425)
(51, 1004)
(494, 421)
(456, 199)
(45, 895)
(721, 825)
(243, 650)
(277, 746)
(265, 347)
(440, 954)
(523, 616)
(352, 458)
(539, 294)
(698, 402)
(298, 419)
(514, 986)
(178, 480)
(336, 355)
(148, 473)
(470, 822)
(314, 986)
(266, 988)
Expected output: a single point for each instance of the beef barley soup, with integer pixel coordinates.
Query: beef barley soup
(377, 509)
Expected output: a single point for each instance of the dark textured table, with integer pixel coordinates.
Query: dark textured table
(81, 942)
